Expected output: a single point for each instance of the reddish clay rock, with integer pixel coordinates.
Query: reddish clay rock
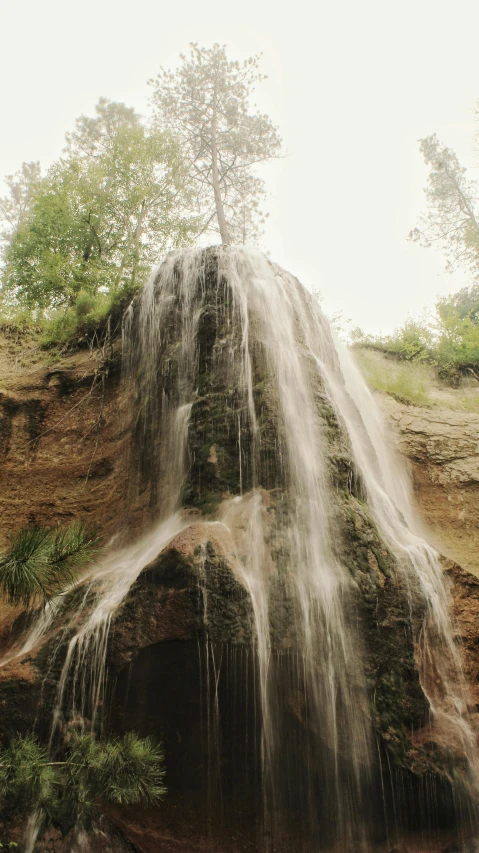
(63, 437)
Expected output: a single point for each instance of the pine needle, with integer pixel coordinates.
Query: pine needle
(122, 770)
(40, 562)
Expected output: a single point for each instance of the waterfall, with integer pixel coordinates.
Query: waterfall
(389, 497)
(251, 422)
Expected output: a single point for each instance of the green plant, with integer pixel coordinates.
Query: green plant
(449, 342)
(68, 790)
(27, 777)
(40, 562)
(85, 317)
(98, 219)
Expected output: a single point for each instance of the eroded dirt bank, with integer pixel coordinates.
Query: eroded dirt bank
(62, 436)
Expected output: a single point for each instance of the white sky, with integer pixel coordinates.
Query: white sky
(352, 85)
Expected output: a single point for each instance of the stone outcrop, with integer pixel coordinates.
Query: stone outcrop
(442, 448)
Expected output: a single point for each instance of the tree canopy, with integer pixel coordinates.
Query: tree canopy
(452, 218)
(15, 205)
(115, 200)
(77, 241)
(205, 104)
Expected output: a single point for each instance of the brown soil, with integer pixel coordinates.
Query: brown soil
(62, 437)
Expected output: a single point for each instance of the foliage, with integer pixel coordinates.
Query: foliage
(406, 382)
(68, 790)
(449, 342)
(103, 212)
(81, 239)
(15, 206)
(27, 779)
(205, 106)
(463, 304)
(88, 314)
(410, 342)
(41, 562)
(451, 220)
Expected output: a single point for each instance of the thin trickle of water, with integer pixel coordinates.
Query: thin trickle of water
(39, 628)
(32, 831)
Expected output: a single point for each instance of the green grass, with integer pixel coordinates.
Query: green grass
(407, 381)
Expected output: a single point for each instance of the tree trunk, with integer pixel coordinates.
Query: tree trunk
(220, 213)
(136, 240)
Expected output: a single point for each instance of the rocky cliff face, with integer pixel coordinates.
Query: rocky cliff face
(442, 448)
(68, 438)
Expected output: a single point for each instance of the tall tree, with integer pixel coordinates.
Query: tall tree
(452, 217)
(206, 105)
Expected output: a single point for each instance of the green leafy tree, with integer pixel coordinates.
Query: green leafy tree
(205, 105)
(40, 563)
(15, 205)
(451, 221)
(463, 304)
(102, 214)
(457, 344)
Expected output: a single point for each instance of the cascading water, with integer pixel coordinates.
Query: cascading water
(389, 497)
(253, 430)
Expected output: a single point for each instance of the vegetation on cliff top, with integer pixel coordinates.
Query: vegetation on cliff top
(447, 341)
(79, 240)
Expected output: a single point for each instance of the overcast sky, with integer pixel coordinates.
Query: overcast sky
(352, 86)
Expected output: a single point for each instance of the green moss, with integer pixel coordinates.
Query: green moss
(382, 561)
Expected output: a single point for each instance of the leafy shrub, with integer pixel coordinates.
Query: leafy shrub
(87, 316)
(411, 342)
